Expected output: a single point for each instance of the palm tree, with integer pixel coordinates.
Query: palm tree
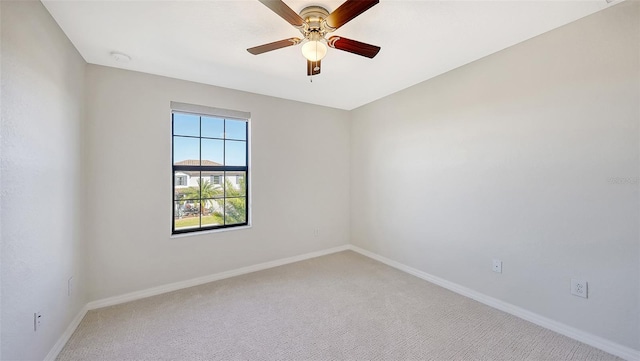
(203, 193)
(235, 204)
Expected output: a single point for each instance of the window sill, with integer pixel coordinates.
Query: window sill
(192, 234)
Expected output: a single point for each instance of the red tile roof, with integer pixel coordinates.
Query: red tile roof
(197, 162)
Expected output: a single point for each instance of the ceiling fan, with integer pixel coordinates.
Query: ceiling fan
(315, 22)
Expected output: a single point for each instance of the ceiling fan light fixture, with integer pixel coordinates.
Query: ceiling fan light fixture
(314, 23)
(314, 50)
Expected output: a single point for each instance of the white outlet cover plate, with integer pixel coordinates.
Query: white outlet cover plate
(579, 288)
(497, 266)
(37, 321)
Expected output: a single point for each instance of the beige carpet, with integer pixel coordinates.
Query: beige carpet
(338, 307)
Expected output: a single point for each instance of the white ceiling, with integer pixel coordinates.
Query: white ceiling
(206, 41)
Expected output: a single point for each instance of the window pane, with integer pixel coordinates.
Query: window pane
(236, 129)
(184, 217)
(213, 214)
(235, 210)
(215, 178)
(235, 153)
(212, 152)
(236, 184)
(208, 187)
(212, 127)
(186, 186)
(186, 151)
(186, 124)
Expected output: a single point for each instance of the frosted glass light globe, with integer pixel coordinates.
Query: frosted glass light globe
(314, 50)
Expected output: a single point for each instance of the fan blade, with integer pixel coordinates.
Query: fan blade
(285, 12)
(347, 11)
(313, 67)
(353, 46)
(273, 46)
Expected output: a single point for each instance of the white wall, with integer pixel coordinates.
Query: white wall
(299, 181)
(511, 157)
(42, 96)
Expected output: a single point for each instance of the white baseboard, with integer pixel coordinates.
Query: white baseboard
(53, 353)
(64, 338)
(206, 279)
(589, 339)
(574, 333)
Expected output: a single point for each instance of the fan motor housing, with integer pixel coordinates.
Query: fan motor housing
(314, 17)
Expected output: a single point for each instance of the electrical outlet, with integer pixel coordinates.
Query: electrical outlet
(497, 266)
(579, 288)
(70, 286)
(316, 232)
(37, 321)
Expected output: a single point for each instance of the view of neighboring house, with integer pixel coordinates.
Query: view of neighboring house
(186, 179)
(188, 197)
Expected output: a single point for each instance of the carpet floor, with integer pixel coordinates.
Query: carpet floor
(343, 306)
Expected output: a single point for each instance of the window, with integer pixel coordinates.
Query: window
(210, 147)
(181, 180)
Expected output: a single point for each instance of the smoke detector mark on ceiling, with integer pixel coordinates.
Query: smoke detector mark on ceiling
(120, 57)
